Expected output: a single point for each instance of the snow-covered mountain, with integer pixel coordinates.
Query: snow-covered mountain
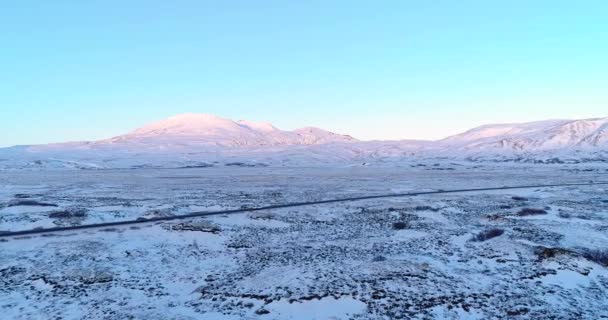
(587, 134)
(201, 139)
(210, 130)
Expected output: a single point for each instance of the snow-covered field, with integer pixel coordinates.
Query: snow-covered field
(538, 253)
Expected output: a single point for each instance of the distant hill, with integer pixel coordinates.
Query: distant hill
(204, 140)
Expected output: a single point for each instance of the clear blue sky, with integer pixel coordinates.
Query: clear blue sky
(73, 70)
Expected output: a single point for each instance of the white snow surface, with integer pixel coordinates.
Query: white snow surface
(326, 261)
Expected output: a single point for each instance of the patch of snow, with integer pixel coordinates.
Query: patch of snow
(326, 308)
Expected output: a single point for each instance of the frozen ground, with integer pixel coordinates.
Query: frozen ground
(533, 253)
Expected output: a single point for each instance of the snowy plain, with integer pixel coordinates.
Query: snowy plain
(411, 258)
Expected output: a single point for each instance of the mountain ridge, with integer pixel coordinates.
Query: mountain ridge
(535, 136)
(192, 139)
(213, 130)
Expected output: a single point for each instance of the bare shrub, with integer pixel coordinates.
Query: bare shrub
(531, 212)
(488, 234)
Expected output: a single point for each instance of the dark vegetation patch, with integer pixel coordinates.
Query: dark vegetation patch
(496, 217)
(69, 213)
(26, 196)
(246, 165)
(544, 253)
(267, 215)
(379, 259)
(195, 166)
(488, 234)
(518, 312)
(425, 208)
(192, 226)
(11, 271)
(16, 203)
(158, 213)
(599, 256)
(539, 235)
(262, 311)
(399, 225)
(531, 212)
(97, 278)
(49, 235)
(179, 177)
